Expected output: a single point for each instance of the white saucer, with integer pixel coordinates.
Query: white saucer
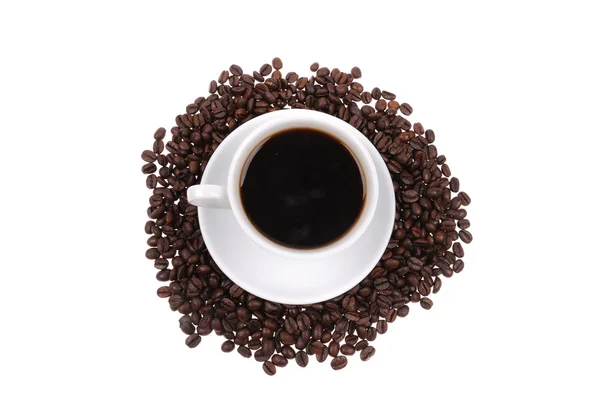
(281, 279)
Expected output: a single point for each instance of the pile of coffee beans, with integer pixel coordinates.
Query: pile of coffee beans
(424, 246)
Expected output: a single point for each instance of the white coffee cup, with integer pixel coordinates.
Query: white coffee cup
(228, 196)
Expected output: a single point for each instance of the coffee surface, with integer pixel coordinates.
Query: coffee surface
(302, 189)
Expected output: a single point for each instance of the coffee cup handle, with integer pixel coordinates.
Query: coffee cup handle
(208, 196)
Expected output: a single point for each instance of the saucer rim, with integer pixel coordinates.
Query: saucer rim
(384, 185)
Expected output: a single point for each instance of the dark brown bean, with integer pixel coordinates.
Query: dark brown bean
(228, 346)
(279, 361)
(376, 93)
(356, 72)
(245, 352)
(458, 249)
(269, 368)
(466, 200)
(160, 133)
(463, 224)
(367, 353)
(236, 70)
(149, 168)
(406, 109)
(193, 340)
(388, 95)
(212, 87)
(163, 292)
(277, 64)
(382, 326)
(465, 236)
(266, 69)
(314, 67)
(339, 362)
(410, 196)
(324, 71)
(148, 156)
(426, 303)
(302, 359)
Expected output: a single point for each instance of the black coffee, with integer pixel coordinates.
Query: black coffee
(302, 189)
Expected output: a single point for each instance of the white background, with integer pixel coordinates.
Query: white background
(510, 88)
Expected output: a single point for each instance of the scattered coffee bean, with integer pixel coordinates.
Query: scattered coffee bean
(227, 346)
(301, 359)
(367, 353)
(382, 326)
(339, 362)
(406, 109)
(245, 352)
(361, 345)
(458, 250)
(465, 236)
(236, 70)
(163, 292)
(279, 361)
(269, 368)
(277, 64)
(426, 303)
(193, 340)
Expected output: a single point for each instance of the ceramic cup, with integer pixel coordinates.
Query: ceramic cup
(228, 196)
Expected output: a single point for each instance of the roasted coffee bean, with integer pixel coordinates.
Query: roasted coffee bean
(382, 326)
(361, 345)
(426, 303)
(163, 292)
(245, 352)
(236, 70)
(405, 108)
(356, 72)
(466, 200)
(339, 362)
(347, 349)
(277, 64)
(279, 361)
(151, 181)
(193, 340)
(314, 67)
(322, 356)
(414, 263)
(334, 349)
(351, 339)
(149, 168)
(458, 266)
(410, 196)
(388, 95)
(465, 236)
(148, 156)
(458, 249)
(227, 346)
(160, 133)
(301, 359)
(288, 352)
(437, 285)
(367, 353)
(403, 311)
(323, 71)
(376, 93)
(430, 136)
(269, 368)
(463, 224)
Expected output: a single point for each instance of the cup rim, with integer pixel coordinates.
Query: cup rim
(295, 118)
